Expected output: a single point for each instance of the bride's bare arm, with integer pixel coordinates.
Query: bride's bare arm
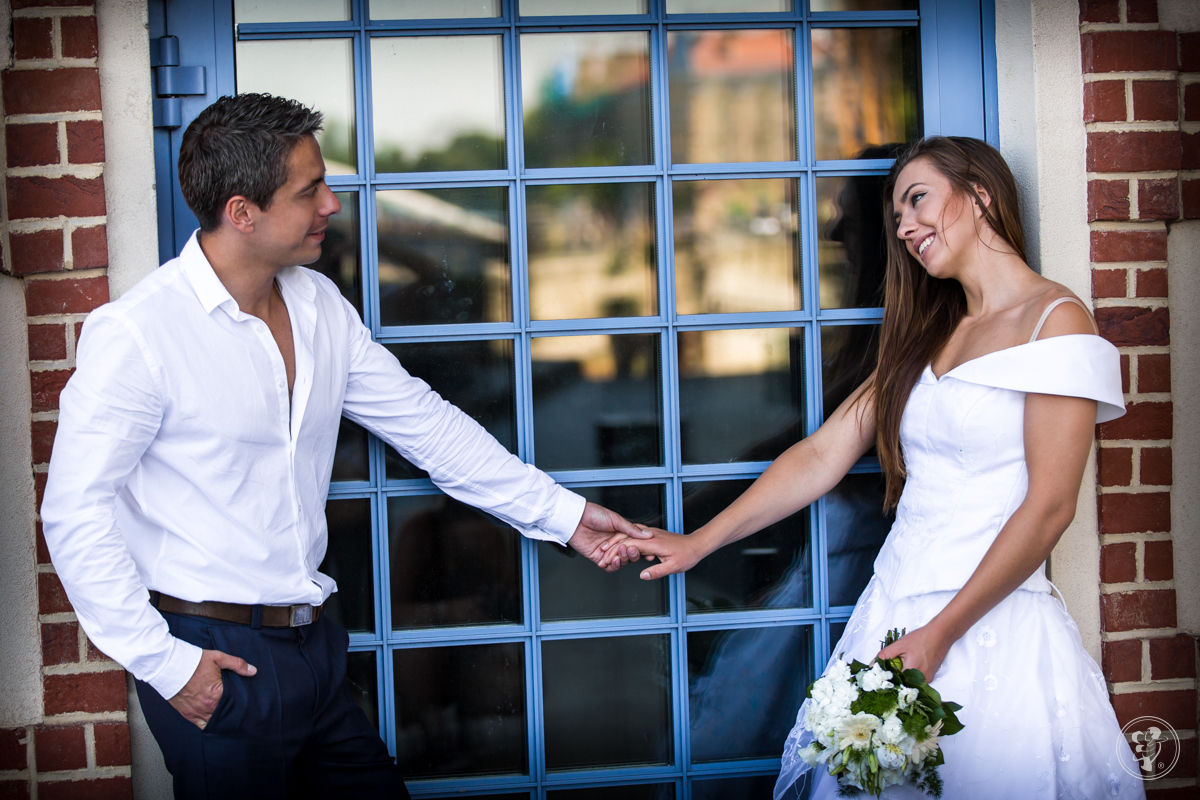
(807, 470)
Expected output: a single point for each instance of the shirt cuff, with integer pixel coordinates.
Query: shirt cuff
(181, 666)
(564, 520)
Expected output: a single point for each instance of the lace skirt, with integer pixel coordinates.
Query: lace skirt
(1038, 722)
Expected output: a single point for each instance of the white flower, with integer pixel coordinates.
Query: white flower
(892, 730)
(875, 679)
(907, 696)
(986, 637)
(890, 756)
(990, 682)
(812, 754)
(856, 731)
(928, 747)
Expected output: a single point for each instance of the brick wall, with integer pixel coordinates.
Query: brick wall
(54, 238)
(1142, 113)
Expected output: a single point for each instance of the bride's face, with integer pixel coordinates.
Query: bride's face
(935, 221)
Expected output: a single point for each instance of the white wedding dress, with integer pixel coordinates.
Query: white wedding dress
(1038, 722)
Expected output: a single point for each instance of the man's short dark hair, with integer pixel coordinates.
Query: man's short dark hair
(240, 146)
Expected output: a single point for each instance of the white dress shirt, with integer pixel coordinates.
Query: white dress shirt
(176, 467)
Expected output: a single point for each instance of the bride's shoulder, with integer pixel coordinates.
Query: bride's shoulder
(1057, 311)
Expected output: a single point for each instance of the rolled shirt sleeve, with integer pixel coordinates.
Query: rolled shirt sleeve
(109, 412)
(461, 457)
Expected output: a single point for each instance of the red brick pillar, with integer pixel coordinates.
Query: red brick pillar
(55, 232)
(1133, 87)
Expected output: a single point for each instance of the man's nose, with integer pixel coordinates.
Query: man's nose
(332, 204)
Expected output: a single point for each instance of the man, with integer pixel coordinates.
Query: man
(185, 505)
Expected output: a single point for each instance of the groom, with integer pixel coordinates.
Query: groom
(185, 505)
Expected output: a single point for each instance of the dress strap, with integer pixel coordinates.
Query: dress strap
(1042, 320)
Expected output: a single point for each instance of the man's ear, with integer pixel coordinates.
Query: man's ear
(239, 213)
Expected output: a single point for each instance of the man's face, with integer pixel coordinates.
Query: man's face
(290, 231)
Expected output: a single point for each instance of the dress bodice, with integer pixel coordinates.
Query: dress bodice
(963, 441)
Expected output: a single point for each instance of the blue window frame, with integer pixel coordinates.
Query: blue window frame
(492, 664)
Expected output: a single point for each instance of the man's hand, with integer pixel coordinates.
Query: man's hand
(675, 552)
(597, 533)
(198, 699)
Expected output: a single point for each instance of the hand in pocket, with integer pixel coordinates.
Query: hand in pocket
(197, 700)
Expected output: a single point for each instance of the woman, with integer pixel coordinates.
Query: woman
(982, 406)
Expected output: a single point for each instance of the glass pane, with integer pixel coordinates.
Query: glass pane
(741, 393)
(852, 248)
(451, 564)
(572, 8)
(340, 260)
(597, 401)
(587, 99)
(759, 787)
(771, 569)
(316, 72)
(438, 103)
(732, 95)
(442, 9)
(291, 11)
(475, 376)
(737, 246)
(461, 710)
(443, 256)
(855, 527)
(348, 561)
(862, 5)
(361, 675)
(572, 588)
(848, 356)
(864, 89)
(726, 6)
(592, 251)
(744, 688)
(836, 629)
(589, 727)
(351, 459)
(645, 791)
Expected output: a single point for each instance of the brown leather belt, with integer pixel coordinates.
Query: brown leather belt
(268, 616)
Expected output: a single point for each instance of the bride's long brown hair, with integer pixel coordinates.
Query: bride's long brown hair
(920, 312)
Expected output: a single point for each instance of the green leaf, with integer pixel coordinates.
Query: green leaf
(914, 678)
(877, 703)
(914, 723)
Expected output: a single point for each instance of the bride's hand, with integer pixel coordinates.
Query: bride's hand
(675, 553)
(923, 649)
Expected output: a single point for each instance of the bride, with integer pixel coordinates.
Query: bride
(982, 407)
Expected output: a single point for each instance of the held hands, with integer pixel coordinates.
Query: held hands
(197, 700)
(598, 536)
(675, 552)
(923, 649)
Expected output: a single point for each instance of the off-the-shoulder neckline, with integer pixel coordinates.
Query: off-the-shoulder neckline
(952, 370)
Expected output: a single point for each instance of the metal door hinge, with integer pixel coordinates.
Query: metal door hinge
(172, 81)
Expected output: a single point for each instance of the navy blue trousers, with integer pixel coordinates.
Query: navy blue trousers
(292, 730)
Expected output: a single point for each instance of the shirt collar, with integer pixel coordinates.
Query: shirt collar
(208, 287)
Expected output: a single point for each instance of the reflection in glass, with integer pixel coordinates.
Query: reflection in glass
(737, 246)
(316, 72)
(848, 356)
(351, 461)
(572, 588)
(443, 256)
(864, 89)
(451, 564)
(591, 250)
(757, 787)
(475, 376)
(726, 6)
(862, 5)
(732, 96)
(340, 260)
(442, 9)
(597, 401)
(644, 791)
(586, 727)
(438, 103)
(461, 710)
(362, 678)
(586, 98)
(855, 527)
(771, 569)
(744, 687)
(572, 8)
(836, 630)
(348, 562)
(290, 11)
(852, 250)
(741, 393)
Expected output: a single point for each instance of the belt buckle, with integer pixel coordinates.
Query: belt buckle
(299, 615)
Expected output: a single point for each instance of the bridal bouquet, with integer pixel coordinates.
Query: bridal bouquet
(878, 725)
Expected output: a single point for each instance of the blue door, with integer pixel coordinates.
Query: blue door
(640, 242)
